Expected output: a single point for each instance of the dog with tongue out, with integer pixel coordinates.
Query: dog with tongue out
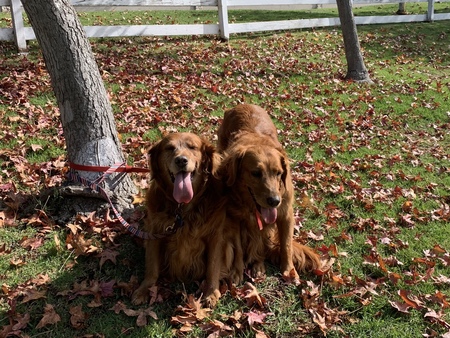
(255, 169)
(186, 214)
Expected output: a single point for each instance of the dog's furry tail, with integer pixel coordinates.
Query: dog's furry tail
(304, 258)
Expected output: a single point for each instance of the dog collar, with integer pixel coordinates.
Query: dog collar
(258, 219)
(257, 214)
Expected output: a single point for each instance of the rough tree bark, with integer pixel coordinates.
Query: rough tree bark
(401, 8)
(356, 69)
(86, 113)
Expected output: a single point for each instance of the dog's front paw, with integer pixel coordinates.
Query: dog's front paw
(237, 275)
(140, 296)
(211, 294)
(237, 278)
(291, 276)
(212, 299)
(258, 270)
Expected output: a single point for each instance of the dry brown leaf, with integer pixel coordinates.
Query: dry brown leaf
(108, 255)
(17, 262)
(78, 318)
(195, 305)
(141, 315)
(400, 306)
(36, 147)
(50, 317)
(410, 299)
(22, 322)
(31, 294)
(319, 320)
(437, 317)
(252, 295)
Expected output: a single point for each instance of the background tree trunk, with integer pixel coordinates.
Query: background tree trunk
(401, 8)
(86, 113)
(356, 69)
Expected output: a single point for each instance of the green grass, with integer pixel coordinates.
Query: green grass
(360, 152)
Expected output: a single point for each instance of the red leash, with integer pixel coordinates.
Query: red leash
(118, 168)
(95, 185)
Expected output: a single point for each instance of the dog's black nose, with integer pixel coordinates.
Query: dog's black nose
(181, 161)
(273, 201)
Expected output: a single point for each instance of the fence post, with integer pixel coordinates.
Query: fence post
(18, 27)
(430, 12)
(223, 20)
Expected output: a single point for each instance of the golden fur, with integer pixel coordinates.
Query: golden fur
(202, 248)
(257, 173)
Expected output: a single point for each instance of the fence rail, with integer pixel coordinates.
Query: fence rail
(21, 34)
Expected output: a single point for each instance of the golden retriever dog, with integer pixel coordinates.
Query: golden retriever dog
(185, 193)
(261, 194)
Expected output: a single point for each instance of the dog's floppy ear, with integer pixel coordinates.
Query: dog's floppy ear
(232, 164)
(285, 165)
(153, 161)
(210, 159)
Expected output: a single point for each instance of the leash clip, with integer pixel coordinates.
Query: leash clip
(178, 223)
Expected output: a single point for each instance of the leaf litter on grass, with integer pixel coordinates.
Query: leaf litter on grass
(369, 177)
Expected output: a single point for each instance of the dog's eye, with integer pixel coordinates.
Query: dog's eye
(170, 148)
(257, 173)
(279, 173)
(192, 146)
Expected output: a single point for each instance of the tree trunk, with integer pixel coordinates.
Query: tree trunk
(86, 113)
(356, 69)
(401, 8)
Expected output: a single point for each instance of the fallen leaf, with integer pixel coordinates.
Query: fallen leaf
(141, 315)
(33, 294)
(108, 255)
(252, 295)
(78, 318)
(50, 317)
(36, 147)
(256, 317)
(400, 306)
(410, 299)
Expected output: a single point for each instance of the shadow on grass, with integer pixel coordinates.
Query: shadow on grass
(84, 282)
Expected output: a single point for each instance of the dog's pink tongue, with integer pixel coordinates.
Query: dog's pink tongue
(269, 215)
(182, 189)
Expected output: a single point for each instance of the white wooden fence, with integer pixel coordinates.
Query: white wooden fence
(20, 34)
